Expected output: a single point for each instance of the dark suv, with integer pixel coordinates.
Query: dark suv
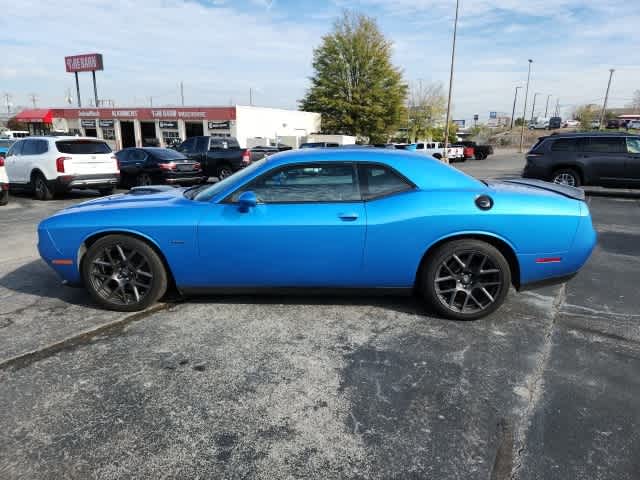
(604, 159)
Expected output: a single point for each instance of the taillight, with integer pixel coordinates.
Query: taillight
(1, 161)
(197, 166)
(113, 157)
(60, 164)
(167, 166)
(246, 157)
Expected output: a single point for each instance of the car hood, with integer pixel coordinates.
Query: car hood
(136, 197)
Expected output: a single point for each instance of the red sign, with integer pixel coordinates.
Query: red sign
(84, 63)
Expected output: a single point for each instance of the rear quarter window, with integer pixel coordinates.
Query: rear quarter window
(565, 145)
(82, 147)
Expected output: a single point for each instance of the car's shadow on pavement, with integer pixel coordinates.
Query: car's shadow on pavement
(631, 194)
(411, 305)
(35, 278)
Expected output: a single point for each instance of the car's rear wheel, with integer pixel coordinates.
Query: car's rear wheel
(466, 279)
(144, 179)
(41, 190)
(224, 171)
(566, 176)
(123, 273)
(4, 197)
(106, 191)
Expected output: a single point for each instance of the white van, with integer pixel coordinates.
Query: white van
(13, 134)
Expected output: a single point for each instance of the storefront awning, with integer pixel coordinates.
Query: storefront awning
(36, 115)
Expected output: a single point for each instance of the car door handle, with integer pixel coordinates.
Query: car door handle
(348, 217)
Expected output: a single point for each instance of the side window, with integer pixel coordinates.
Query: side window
(16, 148)
(607, 145)
(30, 147)
(138, 155)
(633, 145)
(218, 144)
(379, 181)
(420, 146)
(306, 183)
(564, 145)
(188, 146)
(201, 144)
(123, 156)
(42, 146)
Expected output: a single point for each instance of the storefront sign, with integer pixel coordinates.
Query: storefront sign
(124, 113)
(166, 124)
(84, 63)
(192, 114)
(219, 125)
(164, 114)
(88, 123)
(88, 113)
(106, 123)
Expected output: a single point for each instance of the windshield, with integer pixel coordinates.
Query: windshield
(82, 147)
(167, 154)
(210, 192)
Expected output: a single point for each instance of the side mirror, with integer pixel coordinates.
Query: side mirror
(247, 200)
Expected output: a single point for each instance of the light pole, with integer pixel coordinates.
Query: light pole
(524, 112)
(606, 98)
(546, 108)
(513, 113)
(445, 156)
(533, 110)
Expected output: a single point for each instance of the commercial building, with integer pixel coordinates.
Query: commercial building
(129, 127)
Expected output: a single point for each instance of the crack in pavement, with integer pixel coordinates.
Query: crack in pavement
(28, 358)
(534, 385)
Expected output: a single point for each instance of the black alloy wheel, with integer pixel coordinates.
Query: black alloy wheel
(41, 190)
(144, 180)
(466, 279)
(224, 171)
(566, 176)
(123, 273)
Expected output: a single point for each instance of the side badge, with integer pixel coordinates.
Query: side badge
(484, 202)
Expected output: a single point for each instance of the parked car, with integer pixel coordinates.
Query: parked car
(5, 145)
(428, 227)
(481, 152)
(319, 145)
(218, 156)
(50, 165)
(571, 123)
(390, 146)
(14, 134)
(595, 124)
(4, 183)
(261, 151)
(467, 151)
(153, 165)
(575, 159)
(633, 125)
(555, 123)
(615, 124)
(436, 150)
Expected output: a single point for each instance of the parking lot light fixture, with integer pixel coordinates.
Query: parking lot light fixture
(445, 154)
(606, 98)
(524, 112)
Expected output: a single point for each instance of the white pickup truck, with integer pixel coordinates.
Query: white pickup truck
(436, 150)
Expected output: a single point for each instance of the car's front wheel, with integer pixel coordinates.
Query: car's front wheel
(123, 273)
(566, 176)
(465, 279)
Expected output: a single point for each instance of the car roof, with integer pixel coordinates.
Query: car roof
(424, 171)
(591, 134)
(55, 138)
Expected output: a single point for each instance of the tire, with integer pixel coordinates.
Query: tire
(106, 191)
(224, 171)
(143, 180)
(437, 156)
(566, 176)
(461, 292)
(141, 276)
(41, 190)
(4, 197)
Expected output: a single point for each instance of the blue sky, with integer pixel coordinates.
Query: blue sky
(222, 48)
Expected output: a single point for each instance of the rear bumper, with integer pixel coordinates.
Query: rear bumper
(99, 180)
(535, 171)
(187, 178)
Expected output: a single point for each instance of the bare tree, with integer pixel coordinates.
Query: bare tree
(426, 107)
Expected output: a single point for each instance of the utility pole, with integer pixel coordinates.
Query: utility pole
(445, 156)
(250, 96)
(546, 108)
(34, 99)
(606, 98)
(557, 111)
(513, 113)
(524, 112)
(151, 102)
(7, 102)
(533, 110)
(78, 90)
(181, 93)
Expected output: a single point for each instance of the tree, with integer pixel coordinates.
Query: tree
(355, 86)
(587, 114)
(426, 105)
(519, 121)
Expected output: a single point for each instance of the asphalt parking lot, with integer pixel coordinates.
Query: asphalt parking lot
(323, 387)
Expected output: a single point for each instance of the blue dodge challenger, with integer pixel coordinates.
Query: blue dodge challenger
(365, 219)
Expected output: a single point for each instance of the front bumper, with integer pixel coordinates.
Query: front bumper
(99, 180)
(63, 263)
